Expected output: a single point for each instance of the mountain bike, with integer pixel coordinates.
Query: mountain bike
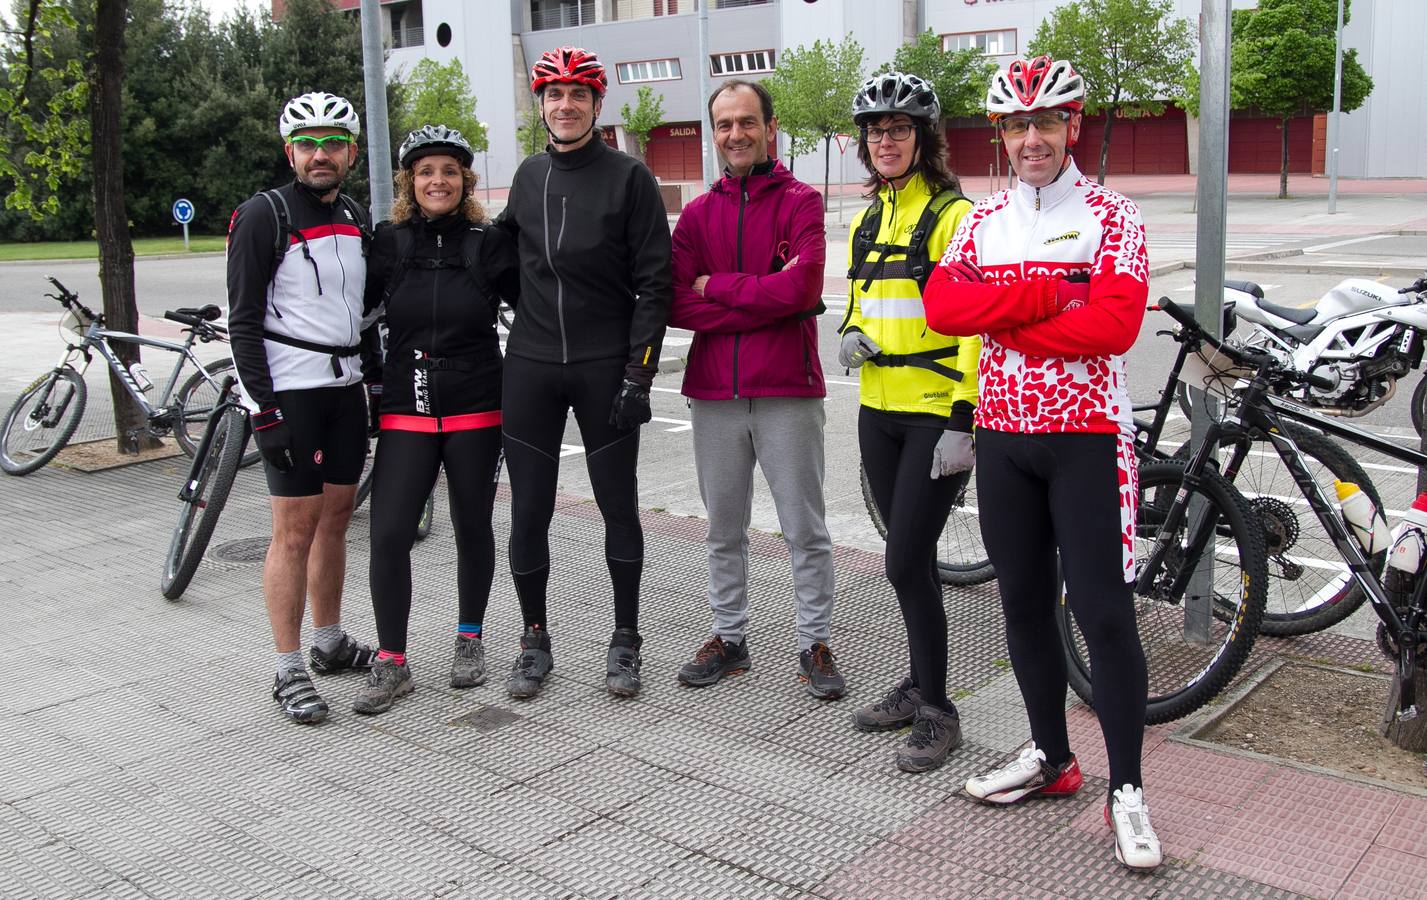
(961, 555)
(216, 461)
(44, 418)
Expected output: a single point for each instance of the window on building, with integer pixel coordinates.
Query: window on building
(648, 70)
(992, 43)
(406, 26)
(742, 63)
(625, 10)
(547, 14)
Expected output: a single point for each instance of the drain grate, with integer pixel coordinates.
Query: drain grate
(243, 550)
(486, 719)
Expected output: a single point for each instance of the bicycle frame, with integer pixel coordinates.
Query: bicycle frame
(190, 484)
(97, 337)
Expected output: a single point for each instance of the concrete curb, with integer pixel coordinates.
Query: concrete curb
(94, 259)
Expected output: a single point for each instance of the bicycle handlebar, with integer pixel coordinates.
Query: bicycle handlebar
(69, 299)
(1262, 362)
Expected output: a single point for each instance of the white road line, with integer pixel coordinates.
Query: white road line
(680, 424)
(1319, 248)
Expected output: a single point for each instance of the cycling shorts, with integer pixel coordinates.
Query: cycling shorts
(329, 439)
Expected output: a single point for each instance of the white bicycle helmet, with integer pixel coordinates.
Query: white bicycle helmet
(318, 110)
(895, 92)
(432, 139)
(1041, 83)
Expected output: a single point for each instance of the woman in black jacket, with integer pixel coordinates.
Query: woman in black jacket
(437, 272)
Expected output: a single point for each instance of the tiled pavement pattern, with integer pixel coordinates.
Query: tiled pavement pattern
(141, 756)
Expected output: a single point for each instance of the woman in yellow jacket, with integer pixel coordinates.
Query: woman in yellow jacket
(918, 388)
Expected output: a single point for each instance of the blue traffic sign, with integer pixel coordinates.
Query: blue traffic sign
(182, 211)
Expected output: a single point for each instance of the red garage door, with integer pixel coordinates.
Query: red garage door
(673, 152)
(1150, 145)
(1255, 144)
(969, 147)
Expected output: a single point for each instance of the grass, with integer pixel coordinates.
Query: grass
(198, 243)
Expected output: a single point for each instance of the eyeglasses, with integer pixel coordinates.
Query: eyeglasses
(899, 132)
(1047, 121)
(332, 143)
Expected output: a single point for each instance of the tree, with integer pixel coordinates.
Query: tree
(441, 95)
(959, 77)
(812, 93)
(1132, 54)
(1281, 64)
(647, 115)
(531, 136)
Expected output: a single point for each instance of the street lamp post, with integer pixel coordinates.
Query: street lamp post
(486, 158)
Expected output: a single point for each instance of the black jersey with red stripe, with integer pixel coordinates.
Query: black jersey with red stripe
(313, 294)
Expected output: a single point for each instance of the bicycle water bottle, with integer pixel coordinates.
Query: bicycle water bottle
(1362, 517)
(1409, 539)
(140, 376)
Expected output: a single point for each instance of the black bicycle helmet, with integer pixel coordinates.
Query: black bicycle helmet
(895, 92)
(433, 139)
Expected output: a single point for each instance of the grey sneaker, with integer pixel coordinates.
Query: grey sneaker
(531, 666)
(714, 660)
(935, 733)
(895, 710)
(819, 670)
(349, 654)
(468, 666)
(385, 682)
(622, 663)
(298, 699)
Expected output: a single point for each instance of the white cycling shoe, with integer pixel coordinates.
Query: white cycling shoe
(1136, 844)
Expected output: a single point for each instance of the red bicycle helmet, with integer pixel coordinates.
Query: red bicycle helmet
(569, 65)
(1029, 85)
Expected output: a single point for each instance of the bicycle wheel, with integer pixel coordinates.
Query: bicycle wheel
(506, 315)
(199, 516)
(1185, 674)
(1309, 586)
(961, 555)
(423, 525)
(42, 421)
(194, 401)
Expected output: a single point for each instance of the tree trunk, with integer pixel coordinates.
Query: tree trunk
(111, 218)
(1412, 734)
(827, 167)
(1283, 165)
(1105, 142)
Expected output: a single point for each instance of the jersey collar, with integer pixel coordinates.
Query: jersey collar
(1054, 192)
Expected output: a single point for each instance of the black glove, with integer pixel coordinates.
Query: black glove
(631, 406)
(274, 439)
(374, 409)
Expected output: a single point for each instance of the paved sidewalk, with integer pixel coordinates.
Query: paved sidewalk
(143, 757)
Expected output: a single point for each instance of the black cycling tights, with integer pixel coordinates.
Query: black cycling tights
(406, 467)
(536, 401)
(1037, 492)
(897, 454)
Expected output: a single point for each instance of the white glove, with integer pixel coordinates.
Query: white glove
(856, 349)
(955, 452)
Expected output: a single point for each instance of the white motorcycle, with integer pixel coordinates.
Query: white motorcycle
(1359, 338)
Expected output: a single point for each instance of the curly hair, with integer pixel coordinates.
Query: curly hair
(405, 206)
(930, 164)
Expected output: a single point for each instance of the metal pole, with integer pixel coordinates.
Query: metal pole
(486, 154)
(1334, 125)
(1212, 202)
(705, 151)
(378, 130)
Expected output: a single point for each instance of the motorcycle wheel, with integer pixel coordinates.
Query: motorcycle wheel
(1419, 400)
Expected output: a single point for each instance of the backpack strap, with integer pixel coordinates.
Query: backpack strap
(864, 239)
(405, 244)
(922, 265)
(471, 245)
(278, 203)
(359, 216)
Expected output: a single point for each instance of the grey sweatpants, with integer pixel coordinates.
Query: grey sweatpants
(784, 436)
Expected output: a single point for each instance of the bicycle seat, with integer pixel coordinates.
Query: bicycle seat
(208, 313)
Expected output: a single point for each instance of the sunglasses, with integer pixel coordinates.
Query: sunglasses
(333, 143)
(1049, 121)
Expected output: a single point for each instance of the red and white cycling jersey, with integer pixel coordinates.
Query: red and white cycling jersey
(1044, 368)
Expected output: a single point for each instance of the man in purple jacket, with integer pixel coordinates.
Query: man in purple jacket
(748, 273)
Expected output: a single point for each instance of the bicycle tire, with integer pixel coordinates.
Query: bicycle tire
(1184, 675)
(18, 459)
(506, 315)
(961, 554)
(198, 517)
(194, 401)
(1309, 587)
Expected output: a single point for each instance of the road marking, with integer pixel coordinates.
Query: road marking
(1319, 248)
(680, 424)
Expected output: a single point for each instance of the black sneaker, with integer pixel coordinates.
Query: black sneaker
(349, 654)
(935, 733)
(385, 682)
(714, 660)
(468, 666)
(298, 699)
(531, 666)
(895, 710)
(622, 663)
(820, 672)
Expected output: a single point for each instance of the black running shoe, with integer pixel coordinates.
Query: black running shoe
(714, 660)
(531, 666)
(935, 733)
(622, 663)
(820, 672)
(895, 710)
(298, 699)
(349, 654)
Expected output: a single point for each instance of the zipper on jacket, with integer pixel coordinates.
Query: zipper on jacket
(550, 261)
(432, 349)
(738, 266)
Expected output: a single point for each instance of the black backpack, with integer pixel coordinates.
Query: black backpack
(916, 265)
(285, 231)
(471, 242)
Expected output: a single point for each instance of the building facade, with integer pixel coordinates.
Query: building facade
(655, 43)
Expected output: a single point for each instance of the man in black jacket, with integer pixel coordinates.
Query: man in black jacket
(296, 275)
(595, 293)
